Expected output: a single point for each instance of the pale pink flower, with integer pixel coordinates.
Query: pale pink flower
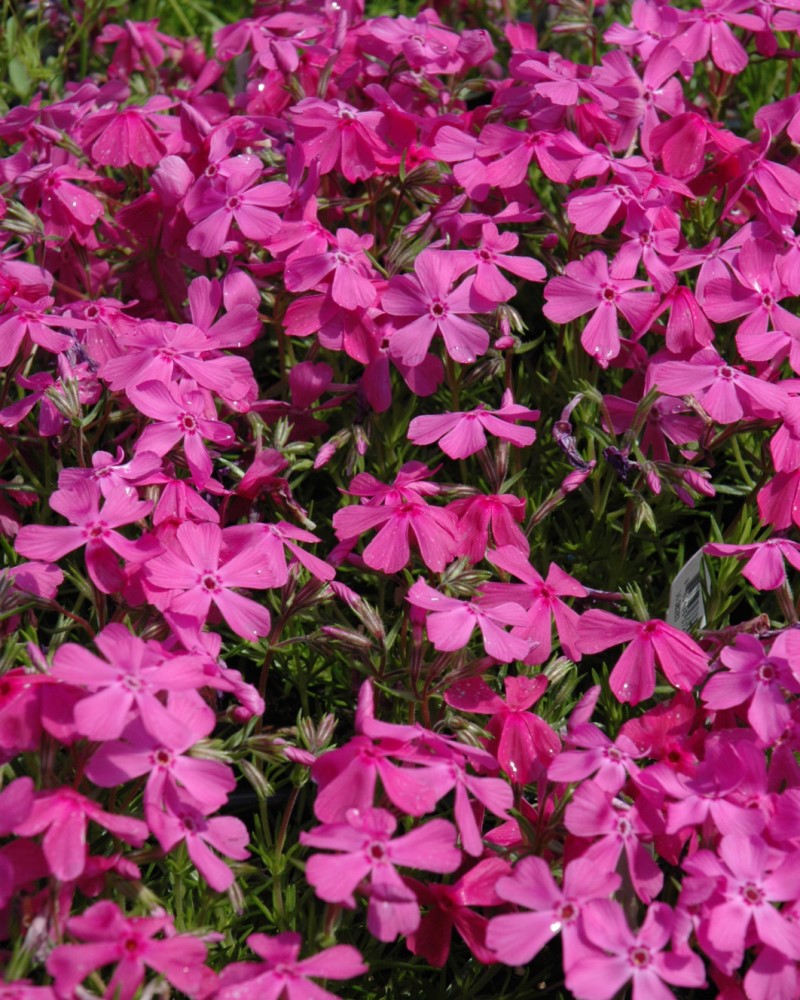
(281, 974)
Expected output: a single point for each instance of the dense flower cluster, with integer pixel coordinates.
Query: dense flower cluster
(247, 304)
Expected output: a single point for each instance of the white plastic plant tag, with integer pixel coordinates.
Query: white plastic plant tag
(686, 607)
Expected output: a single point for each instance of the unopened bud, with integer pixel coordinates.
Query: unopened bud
(256, 779)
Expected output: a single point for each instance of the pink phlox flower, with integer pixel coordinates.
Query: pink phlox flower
(180, 413)
(434, 529)
(614, 828)
(33, 320)
(758, 678)
(365, 849)
(197, 572)
(522, 742)
(750, 876)
(663, 732)
(164, 759)
(66, 209)
(492, 254)
(351, 285)
(427, 45)
(131, 675)
(347, 779)
(179, 502)
(305, 236)
(263, 474)
(117, 137)
(37, 579)
(561, 81)
(480, 515)
(155, 350)
(113, 473)
(183, 818)
(633, 678)
(542, 600)
(214, 205)
(726, 393)
(65, 814)
(709, 29)
(668, 420)
(308, 382)
(282, 975)
(139, 46)
(16, 803)
(459, 148)
(274, 540)
(625, 956)
(785, 444)
(450, 623)
(93, 528)
(610, 762)
(764, 561)
(237, 293)
(449, 907)
(516, 938)
(130, 944)
(778, 182)
(412, 483)
(462, 434)
(687, 329)
(430, 303)
(587, 286)
(339, 136)
(23, 280)
(654, 235)
(556, 151)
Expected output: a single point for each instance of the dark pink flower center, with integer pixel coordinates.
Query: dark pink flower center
(162, 757)
(766, 672)
(210, 581)
(609, 294)
(751, 894)
(233, 203)
(438, 309)
(614, 754)
(131, 946)
(377, 852)
(342, 258)
(567, 912)
(485, 254)
(187, 423)
(639, 957)
(767, 301)
(97, 529)
(624, 827)
(726, 372)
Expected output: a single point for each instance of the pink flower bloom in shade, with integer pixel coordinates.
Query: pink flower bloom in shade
(462, 434)
(213, 206)
(113, 473)
(615, 828)
(282, 975)
(32, 319)
(448, 908)
(64, 814)
(503, 513)
(93, 528)
(130, 944)
(586, 286)
(523, 744)
(542, 600)
(434, 531)
(366, 849)
(623, 956)
(610, 763)
(493, 254)
(273, 540)
(725, 393)
(164, 759)
(132, 675)
(339, 136)
(196, 574)
(516, 938)
(749, 876)
(758, 678)
(709, 29)
(438, 308)
(412, 483)
(351, 286)
(119, 138)
(183, 819)
(450, 623)
(181, 413)
(654, 642)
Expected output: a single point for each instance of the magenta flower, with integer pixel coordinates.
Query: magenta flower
(119, 138)
(64, 814)
(130, 944)
(516, 938)
(493, 254)
(624, 956)
(586, 286)
(93, 528)
(273, 540)
(462, 434)
(610, 763)
(500, 512)
(427, 295)
(758, 678)
(450, 623)
(633, 678)
(351, 286)
(764, 561)
(282, 975)
(338, 136)
(366, 849)
(113, 473)
(196, 574)
(132, 674)
(522, 742)
(32, 319)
